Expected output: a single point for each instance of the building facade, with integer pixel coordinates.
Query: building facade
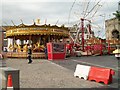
(112, 28)
(3, 40)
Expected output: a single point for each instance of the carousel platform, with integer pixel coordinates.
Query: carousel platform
(24, 55)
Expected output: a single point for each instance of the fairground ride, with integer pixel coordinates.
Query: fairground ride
(21, 36)
(92, 45)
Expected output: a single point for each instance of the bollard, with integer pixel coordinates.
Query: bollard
(9, 81)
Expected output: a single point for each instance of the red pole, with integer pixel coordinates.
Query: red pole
(82, 29)
(101, 47)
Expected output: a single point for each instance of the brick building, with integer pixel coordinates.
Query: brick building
(113, 27)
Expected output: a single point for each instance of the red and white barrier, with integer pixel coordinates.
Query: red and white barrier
(97, 74)
(82, 71)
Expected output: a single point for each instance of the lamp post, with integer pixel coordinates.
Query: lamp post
(117, 52)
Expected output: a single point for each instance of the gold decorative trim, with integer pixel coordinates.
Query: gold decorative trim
(36, 31)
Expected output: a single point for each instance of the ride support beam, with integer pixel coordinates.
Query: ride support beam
(82, 29)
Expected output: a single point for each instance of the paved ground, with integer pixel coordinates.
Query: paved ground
(59, 74)
(99, 61)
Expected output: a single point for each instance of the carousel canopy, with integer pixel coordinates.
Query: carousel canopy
(24, 30)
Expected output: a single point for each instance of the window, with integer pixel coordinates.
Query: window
(58, 47)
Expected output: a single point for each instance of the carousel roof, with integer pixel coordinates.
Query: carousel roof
(34, 29)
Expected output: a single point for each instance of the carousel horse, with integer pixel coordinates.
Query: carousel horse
(19, 48)
(15, 45)
(38, 47)
(10, 47)
(25, 48)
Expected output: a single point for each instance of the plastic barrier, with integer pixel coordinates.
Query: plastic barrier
(101, 74)
(82, 71)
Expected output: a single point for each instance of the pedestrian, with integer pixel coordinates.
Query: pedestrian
(46, 55)
(29, 55)
(5, 50)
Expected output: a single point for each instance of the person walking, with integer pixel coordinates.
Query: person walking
(46, 54)
(29, 55)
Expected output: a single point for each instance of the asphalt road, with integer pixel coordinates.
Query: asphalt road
(107, 61)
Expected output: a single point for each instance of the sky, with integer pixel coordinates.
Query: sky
(67, 12)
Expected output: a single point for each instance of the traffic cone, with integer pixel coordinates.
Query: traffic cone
(9, 82)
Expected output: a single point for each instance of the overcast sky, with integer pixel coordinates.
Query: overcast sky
(57, 12)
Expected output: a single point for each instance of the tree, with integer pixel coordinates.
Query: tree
(117, 15)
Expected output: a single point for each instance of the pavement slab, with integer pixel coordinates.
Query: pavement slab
(46, 74)
(43, 73)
